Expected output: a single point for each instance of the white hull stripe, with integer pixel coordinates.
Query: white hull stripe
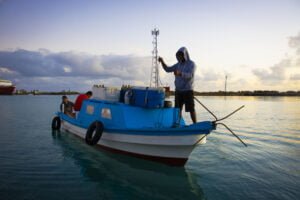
(162, 146)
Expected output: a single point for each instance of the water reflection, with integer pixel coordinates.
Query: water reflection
(127, 177)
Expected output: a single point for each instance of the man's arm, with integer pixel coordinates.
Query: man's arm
(166, 68)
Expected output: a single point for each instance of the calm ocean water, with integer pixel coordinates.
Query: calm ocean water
(36, 163)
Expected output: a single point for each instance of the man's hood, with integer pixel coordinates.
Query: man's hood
(185, 53)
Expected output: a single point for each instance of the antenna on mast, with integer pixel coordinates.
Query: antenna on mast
(154, 79)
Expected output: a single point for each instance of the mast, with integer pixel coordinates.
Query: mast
(154, 79)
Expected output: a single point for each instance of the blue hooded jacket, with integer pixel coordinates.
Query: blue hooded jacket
(184, 82)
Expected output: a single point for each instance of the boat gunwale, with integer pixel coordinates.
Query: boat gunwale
(148, 131)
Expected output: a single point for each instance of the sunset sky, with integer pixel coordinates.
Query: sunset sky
(73, 44)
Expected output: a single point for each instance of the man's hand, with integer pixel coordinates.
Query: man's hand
(160, 59)
(162, 62)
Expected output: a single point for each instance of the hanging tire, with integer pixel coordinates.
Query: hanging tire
(94, 133)
(56, 123)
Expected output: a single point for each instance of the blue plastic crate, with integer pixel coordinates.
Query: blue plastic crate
(148, 97)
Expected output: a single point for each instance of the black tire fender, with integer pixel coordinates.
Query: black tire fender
(56, 123)
(94, 133)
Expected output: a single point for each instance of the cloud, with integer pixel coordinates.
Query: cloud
(209, 75)
(6, 71)
(294, 42)
(278, 72)
(46, 64)
(295, 77)
(209, 80)
(48, 67)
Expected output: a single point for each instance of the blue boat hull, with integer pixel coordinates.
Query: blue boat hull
(141, 132)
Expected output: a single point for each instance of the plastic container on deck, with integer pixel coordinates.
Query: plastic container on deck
(148, 97)
(106, 93)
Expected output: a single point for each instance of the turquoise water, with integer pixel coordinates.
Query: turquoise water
(36, 163)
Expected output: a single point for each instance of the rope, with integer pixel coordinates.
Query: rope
(233, 134)
(230, 114)
(206, 108)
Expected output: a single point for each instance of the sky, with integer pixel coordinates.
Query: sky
(59, 45)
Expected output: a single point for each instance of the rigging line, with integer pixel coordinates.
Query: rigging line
(206, 108)
(233, 133)
(200, 139)
(230, 113)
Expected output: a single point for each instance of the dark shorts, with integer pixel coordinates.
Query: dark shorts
(185, 98)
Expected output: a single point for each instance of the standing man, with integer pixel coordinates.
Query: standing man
(184, 71)
(80, 99)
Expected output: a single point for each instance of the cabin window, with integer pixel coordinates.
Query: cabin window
(90, 109)
(105, 113)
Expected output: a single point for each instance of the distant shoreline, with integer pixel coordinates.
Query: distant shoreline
(251, 93)
(23, 92)
(196, 93)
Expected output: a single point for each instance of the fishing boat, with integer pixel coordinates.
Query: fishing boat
(145, 127)
(6, 87)
(138, 121)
